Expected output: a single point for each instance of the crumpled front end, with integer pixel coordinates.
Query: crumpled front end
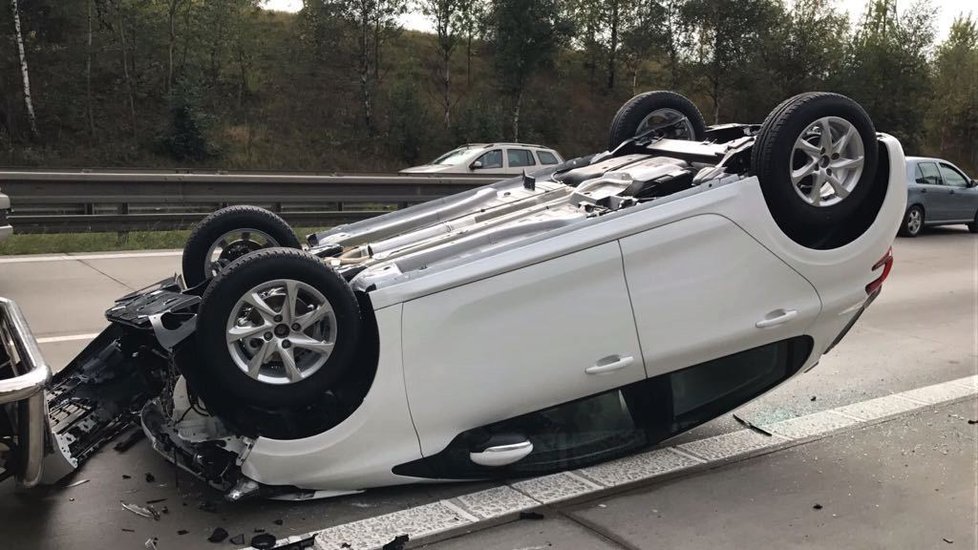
(138, 376)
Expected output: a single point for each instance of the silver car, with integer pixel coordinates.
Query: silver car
(490, 158)
(5, 229)
(939, 193)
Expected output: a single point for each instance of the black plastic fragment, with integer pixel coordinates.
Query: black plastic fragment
(135, 436)
(219, 535)
(150, 478)
(817, 507)
(182, 532)
(398, 543)
(264, 541)
(126, 476)
(531, 515)
(155, 501)
(237, 539)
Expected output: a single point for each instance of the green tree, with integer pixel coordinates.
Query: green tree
(525, 34)
(886, 68)
(728, 34)
(954, 120)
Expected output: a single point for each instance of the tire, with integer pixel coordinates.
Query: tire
(973, 226)
(265, 273)
(209, 232)
(786, 144)
(913, 222)
(630, 117)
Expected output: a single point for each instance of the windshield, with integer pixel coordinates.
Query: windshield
(454, 156)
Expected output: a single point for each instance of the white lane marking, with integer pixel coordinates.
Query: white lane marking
(372, 533)
(83, 257)
(69, 338)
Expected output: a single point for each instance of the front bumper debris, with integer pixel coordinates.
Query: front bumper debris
(27, 443)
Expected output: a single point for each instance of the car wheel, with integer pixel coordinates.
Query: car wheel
(973, 226)
(913, 221)
(229, 234)
(678, 116)
(815, 158)
(277, 328)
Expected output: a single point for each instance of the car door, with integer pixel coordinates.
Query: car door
(964, 197)
(490, 161)
(518, 342)
(702, 288)
(519, 160)
(936, 197)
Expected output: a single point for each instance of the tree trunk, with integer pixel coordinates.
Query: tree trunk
(516, 115)
(365, 71)
(171, 19)
(613, 45)
(125, 71)
(88, 75)
(25, 73)
(447, 83)
(468, 60)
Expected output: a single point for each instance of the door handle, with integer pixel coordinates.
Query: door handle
(616, 363)
(777, 317)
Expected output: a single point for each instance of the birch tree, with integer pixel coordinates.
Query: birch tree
(24, 72)
(447, 17)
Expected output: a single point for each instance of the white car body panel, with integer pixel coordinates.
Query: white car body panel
(469, 353)
(701, 285)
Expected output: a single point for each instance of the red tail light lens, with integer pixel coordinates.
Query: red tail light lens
(886, 262)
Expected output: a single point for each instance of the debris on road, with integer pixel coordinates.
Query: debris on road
(973, 422)
(146, 512)
(126, 476)
(397, 544)
(151, 543)
(125, 530)
(264, 541)
(150, 478)
(817, 507)
(155, 501)
(278, 522)
(77, 483)
(751, 426)
(237, 539)
(949, 541)
(218, 535)
(182, 532)
(813, 398)
(531, 515)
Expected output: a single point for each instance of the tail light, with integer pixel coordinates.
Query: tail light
(886, 262)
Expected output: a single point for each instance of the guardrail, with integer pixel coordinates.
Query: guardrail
(58, 201)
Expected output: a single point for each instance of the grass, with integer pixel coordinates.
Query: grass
(53, 243)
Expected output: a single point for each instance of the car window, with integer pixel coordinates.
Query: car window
(952, 176)
(546, 157)
(928, 173)
(492, 159)
(453, 157)
(519, 157)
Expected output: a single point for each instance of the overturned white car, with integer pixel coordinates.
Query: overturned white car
(539, 323)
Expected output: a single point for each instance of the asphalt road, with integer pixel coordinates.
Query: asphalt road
(922, 330)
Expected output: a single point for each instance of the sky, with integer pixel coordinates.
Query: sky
(948, 10)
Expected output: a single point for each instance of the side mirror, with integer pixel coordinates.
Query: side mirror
(973, 183)
(476, 165)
